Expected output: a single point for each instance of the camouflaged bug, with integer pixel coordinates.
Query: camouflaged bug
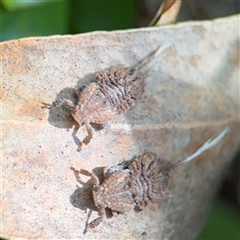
(114, 92)
(142, 183)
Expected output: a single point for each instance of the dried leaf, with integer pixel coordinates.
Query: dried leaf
(190, 95)
(167, 13)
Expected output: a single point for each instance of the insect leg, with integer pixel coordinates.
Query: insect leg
(97, 221)
(89, 174)
(89, 137)
(68, 104)
(46, 105)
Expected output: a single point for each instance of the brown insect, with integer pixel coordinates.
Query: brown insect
(114, 92)
(142, 183)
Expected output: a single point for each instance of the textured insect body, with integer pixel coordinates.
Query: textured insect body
(103, 100)
(149, 180)
(115, 186)
(117, 85)
(114, 92)
(139, 184)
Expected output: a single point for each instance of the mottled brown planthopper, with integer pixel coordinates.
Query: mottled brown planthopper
(142, 183)
(113, 93)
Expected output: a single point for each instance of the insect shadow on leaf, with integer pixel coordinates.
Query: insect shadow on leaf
(61, 117)
(82, 197)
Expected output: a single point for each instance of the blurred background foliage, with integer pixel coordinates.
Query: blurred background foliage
(42, 18)
(30, 18)
(25, 18)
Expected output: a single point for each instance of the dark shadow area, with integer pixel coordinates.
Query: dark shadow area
(61, 117)
(82, 196)
(230, 191)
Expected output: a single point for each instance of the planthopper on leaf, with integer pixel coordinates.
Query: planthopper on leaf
(142, 183)
(113, 93)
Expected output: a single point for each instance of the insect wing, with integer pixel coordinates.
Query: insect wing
(115, 192)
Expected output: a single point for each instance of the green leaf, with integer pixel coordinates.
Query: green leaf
(223, 223)
(48, 19)
(13, 5)
(102, 15)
